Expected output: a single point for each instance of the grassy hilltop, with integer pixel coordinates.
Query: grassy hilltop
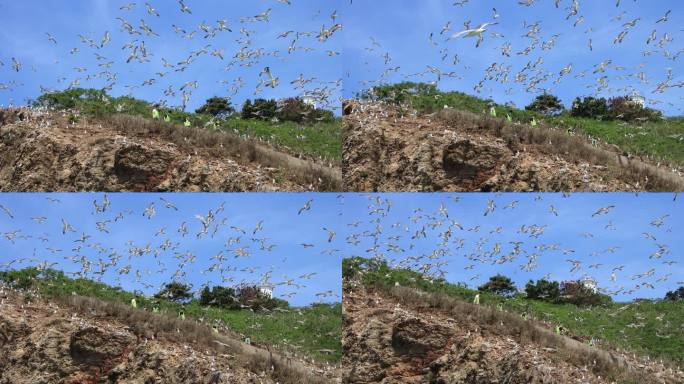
(313, 331)
(661, 139)
(320, 138)
(648, 327)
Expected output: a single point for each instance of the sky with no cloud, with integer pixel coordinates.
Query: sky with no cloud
(401, 38)
(234, 249)
(379, 41)
(248, 44)
(640, 234)
(632, 249)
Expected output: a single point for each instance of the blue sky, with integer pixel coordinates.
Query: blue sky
(25, 24)
(589, 238)
(282, 226)
(401, 28)
(623, 227)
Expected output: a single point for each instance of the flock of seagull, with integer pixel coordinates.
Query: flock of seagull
(136, 33)
(401, 243)
(233, 42)
(169, 254)
(438, 245)
(521, 64)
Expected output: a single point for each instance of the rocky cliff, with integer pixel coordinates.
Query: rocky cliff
(87, 341)
(49, 151)
(407, 336)
(389, 149)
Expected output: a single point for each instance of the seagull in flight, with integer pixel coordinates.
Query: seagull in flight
(306, 207)
(184, 8)
(151, 10)
(168, 204)
(66, 227)
(473, 32)
(7, 211)
(331, 234)
(149, 211)
(602, 211)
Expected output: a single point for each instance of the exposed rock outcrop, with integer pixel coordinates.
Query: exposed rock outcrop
(389, 149)
(386, 340)
(46, 342)
(41, 151)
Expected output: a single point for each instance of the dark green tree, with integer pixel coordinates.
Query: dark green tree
(324, 115)
(675, 295)
(223, 297)
(623, 108)
(216, 106)
(543, 290)
(500, 285)
(175, 291)
(247, 111)
(575, 292)
(260, 109)
(295, 109)
(591, 107)
(546, 104)
(251, 297)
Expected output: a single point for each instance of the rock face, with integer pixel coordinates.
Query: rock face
(386, 342)
(45, 344)
(386, 149)
(45, 152)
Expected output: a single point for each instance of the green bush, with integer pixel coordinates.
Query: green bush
(351, 267)
(400, 92)
(499, 285)
(21, 279)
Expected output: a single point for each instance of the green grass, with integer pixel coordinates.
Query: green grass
(662, 140)
(320, 140)
(608, 323)
(313, 331)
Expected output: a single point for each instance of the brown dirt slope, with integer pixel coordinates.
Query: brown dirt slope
(43, 151)
(80, 340)
(402, 335)
(389, 149)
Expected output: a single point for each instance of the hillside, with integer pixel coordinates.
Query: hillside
(115, 145)
(312, 333)
(449, 141)
(81, 340)
(391, 317)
